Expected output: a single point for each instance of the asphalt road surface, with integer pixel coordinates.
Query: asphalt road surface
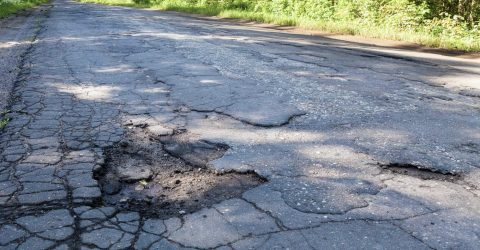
(358, 147)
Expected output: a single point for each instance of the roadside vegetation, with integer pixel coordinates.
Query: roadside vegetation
(451, 24)
(3, 120)
(3, 123)
(8, 7)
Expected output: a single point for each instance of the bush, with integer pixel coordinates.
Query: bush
(142, 2)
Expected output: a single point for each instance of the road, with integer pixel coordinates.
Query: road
(332, 144)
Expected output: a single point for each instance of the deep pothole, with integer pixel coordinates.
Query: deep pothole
(167, 176)
(421, 172)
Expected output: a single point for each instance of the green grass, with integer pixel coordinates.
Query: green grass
(8, 7)
(4, 120)
(3, 123)
(465, 41)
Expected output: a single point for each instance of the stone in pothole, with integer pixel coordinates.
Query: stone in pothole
(112, 186)
(134, 170)
(196, 153)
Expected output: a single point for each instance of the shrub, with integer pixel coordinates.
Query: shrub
(142, 2)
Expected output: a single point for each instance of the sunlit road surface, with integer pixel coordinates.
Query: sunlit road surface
(360, 147)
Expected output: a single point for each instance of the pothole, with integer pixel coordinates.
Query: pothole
(166, 177)
(421, 172)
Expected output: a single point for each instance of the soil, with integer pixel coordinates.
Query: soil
(141, 175)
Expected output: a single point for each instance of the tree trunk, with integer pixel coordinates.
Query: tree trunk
(461, 8)
(473, 12)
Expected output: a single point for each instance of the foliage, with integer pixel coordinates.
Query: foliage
(142, 2)
(437, 23)
(393, 11)
(3, 123)
(8, 7)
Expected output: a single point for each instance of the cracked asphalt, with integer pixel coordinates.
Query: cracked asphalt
(324, 121)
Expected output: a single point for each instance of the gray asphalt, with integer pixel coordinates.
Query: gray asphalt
(16, 36)
(362, 147)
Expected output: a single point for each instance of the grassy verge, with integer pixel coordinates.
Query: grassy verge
(8, 7)
(466, 40)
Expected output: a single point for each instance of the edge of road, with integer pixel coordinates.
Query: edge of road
(358, 40)
(17, 35)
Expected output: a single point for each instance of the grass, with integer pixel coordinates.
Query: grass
(8, 7)
(3, 123)
(4, 120)
(465, 42)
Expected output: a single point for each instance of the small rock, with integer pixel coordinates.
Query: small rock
(112, 187)
(134, 173)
